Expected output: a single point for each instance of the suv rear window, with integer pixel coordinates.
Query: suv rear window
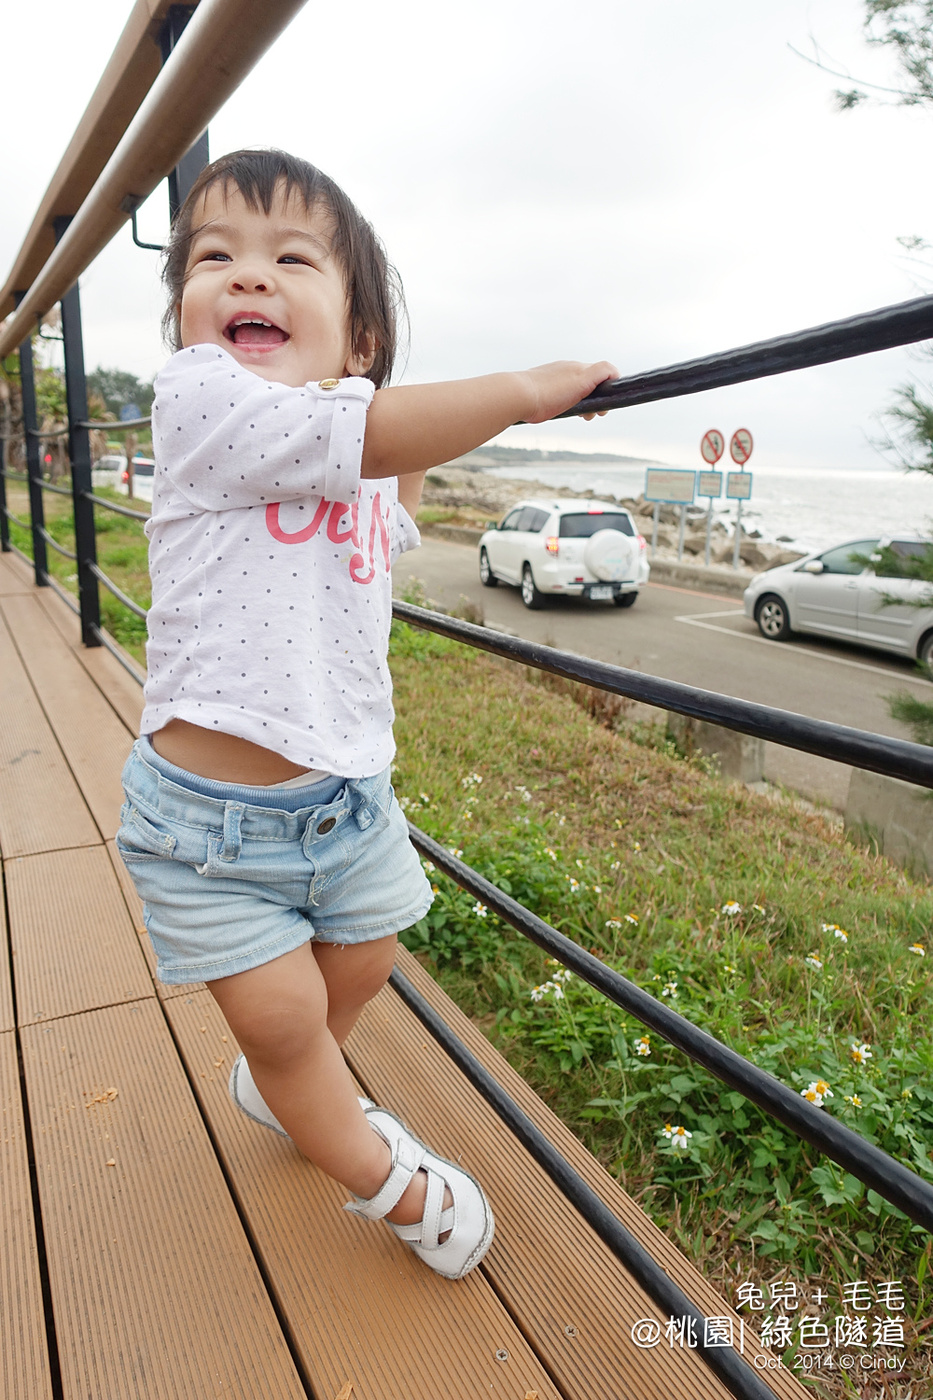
(580, 527)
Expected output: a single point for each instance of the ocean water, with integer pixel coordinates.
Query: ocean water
(813, 509)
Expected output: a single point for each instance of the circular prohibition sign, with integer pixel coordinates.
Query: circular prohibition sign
(712, 446)
(740, 448)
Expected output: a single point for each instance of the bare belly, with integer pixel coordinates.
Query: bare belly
(222, 757)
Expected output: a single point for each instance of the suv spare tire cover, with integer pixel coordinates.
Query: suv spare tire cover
(611, 556)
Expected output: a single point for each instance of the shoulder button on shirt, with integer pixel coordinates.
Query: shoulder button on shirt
(329, 384)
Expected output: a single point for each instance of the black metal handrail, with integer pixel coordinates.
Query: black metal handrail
(115, 425)
(858, 747)
(904, 323)
(112, 505)
(60, 548)
(117, 592)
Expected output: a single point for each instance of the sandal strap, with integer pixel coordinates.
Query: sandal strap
(413, 1234)
(409, 1155)
(433, 1210)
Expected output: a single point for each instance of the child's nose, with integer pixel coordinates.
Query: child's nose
(251, 280)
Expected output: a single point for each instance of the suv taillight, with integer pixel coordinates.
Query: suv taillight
(642, 543)
(552, 544)
(126, 476)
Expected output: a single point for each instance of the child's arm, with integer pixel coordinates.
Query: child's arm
(410, 487)
(411, 428)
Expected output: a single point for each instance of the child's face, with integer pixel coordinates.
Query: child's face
(266, 288)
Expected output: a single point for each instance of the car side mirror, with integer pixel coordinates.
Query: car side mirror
(491, 525)
(815, 566)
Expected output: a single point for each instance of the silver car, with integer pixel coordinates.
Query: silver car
(581, 548)
(847, 592)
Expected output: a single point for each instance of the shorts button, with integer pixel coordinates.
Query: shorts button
(327, 825)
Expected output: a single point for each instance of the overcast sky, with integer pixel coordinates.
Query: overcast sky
(641, 182)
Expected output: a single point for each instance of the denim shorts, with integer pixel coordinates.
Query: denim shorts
(232, 877)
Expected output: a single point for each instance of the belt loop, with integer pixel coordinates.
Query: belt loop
(361, 802)
(233, 816)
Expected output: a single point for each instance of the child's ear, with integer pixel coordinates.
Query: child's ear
(360, 359)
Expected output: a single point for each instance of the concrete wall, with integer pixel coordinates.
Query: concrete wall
(739, 757)
(893, 817)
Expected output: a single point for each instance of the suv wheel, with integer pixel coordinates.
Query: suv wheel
(530, 595)
(624, 600)
(771, 616)
(486, 576)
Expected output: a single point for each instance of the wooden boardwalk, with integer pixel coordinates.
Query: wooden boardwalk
(156, 1243)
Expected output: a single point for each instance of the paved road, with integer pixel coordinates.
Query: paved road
(702, 640)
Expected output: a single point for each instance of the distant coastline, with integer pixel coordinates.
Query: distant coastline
(495, 456)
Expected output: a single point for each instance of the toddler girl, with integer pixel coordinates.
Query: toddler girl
(260, 826)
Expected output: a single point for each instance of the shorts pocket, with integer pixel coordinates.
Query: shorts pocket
(138, 839)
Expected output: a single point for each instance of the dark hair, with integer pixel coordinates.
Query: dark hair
(374, 290)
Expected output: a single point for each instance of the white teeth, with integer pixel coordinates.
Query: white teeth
(249, 321)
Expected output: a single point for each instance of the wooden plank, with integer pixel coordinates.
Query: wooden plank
(94, 741)
(14, 576)
(41, 807)
(7, 1020)
(155, 1290)
(130, 72)
(122, 692)
(551, 1269)
(360, 1306)
(74, 945)
(24, 1356)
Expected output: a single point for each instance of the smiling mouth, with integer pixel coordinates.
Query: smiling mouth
(255, 332)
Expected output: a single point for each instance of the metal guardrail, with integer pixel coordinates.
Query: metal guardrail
(904, 323)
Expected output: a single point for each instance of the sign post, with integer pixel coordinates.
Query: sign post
(709, 485)
(739, 484)
(674, 487)
(712, 446)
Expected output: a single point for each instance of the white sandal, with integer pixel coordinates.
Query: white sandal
(248, 1099)
(468, 1223)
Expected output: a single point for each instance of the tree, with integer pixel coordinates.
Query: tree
(117, 388)
(905, 27)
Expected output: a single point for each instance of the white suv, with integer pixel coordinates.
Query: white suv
(589, 549)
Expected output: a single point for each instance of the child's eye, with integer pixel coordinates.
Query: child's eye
(216, 257)
(293, 258)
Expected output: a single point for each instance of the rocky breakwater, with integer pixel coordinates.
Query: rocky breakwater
(460, 502)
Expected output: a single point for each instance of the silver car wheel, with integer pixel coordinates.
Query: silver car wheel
(771, 617)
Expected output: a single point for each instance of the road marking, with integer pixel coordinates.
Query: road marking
(697, 621)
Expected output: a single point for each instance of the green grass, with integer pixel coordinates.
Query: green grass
(728, 906)
(121, 554)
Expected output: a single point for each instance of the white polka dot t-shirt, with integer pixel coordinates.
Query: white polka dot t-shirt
(270, 560)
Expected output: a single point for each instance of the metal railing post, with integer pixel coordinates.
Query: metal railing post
(79, 451)
(27, 380)
(197, 156)
(4, 522)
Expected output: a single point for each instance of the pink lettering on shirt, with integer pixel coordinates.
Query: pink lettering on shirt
(336, 512)
(299, 536)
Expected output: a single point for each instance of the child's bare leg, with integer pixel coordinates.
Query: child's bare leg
(278, 1013)
(353, 974)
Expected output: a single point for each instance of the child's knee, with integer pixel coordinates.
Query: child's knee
(356, 972)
